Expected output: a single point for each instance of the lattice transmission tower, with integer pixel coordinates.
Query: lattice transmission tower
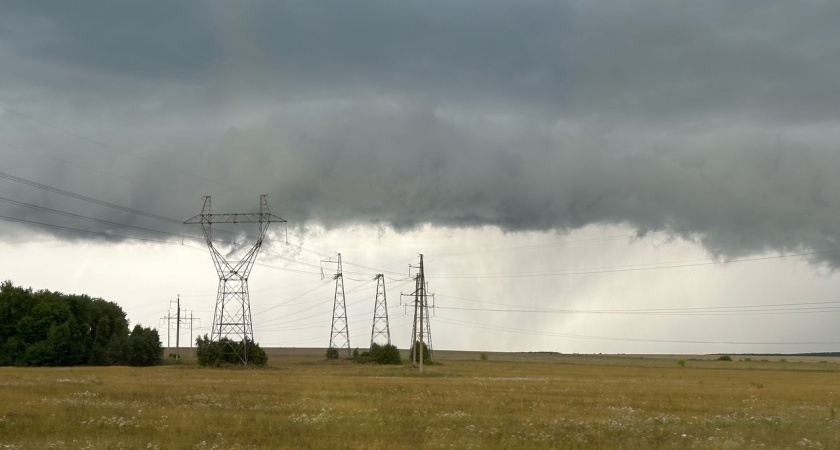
(380, 313)
(232, 316)
(339, 333)
(421, 331)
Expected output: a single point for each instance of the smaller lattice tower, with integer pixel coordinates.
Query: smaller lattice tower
(380, 327)
(339, 333)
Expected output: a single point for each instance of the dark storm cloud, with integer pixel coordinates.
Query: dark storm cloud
(714, 121)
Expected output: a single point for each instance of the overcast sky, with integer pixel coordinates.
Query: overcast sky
(597, 162)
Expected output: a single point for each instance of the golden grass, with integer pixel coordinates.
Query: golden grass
(510, 401)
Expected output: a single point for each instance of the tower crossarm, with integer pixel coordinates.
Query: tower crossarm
(234, 218)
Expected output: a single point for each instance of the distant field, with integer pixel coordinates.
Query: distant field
(511, 400)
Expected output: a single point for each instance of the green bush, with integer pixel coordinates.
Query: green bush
(332, 353)
(483, 356)
(257, 356)
(724, 358)
(426, 353)
(385, 354)
(227, 351)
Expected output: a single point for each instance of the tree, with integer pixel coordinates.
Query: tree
(209, 353)
(46, 328)
(144, 347)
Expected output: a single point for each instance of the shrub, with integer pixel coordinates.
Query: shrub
(426, 353)
(385, 354)
(483, 356)
(724, 358)
(227, 351)
(257, 356)
(332, 353)
(681, 362)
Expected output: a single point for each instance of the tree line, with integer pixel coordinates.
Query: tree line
(43, 328)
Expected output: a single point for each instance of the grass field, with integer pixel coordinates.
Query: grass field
(508, 401)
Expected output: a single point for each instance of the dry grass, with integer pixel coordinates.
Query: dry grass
(510, 401)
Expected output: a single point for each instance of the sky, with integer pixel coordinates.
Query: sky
(581, 177)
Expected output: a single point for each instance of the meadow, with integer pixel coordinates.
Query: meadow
(517, 400)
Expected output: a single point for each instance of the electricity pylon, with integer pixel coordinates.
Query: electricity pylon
(232, 317)
(339, 333)
(380, 313)
(421, 332)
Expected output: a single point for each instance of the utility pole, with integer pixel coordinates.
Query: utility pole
(191, 329)
(380, 313)
(232, 316)
(178, 325)
(167, 318)
(187, 321)
(339, 332)
(179, 320)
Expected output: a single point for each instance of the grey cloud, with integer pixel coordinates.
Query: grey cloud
(712, 121)
(737, 191)
(645, 59)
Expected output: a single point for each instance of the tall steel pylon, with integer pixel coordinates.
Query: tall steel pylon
(380, 313)
(339, 333)
(421, 332)
(232, 317)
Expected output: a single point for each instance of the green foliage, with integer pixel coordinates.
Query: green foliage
(332, 353)
(426, 353)
(226, 351)
(385, 354)
(483, 356)
(681, 362)
(724, 358)
(257, 356)
(144, 347)
(46, 328)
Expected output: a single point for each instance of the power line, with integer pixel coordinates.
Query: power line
(634, 269)
(96, 233)
(664, 313)
(61, 160)
(86, 198)
(79, 216)
(803, 307)
(612, 338)
(122, 152)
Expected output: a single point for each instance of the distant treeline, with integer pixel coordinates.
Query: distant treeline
(44, 328)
